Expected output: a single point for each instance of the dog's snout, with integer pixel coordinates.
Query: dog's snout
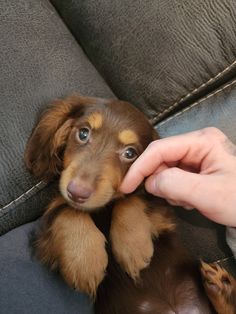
(77, 192)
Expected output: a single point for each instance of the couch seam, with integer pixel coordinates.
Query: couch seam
(196, 103)
(211, 80)
(39, 186)
(225, 259)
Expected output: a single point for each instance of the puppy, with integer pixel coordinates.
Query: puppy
(121, 250)
(90, 145)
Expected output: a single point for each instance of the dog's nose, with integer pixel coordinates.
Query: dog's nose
(77, 192)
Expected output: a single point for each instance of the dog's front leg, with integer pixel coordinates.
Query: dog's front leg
(78, 249)
(131, 235)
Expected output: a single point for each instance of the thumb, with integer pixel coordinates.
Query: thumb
(177, 185)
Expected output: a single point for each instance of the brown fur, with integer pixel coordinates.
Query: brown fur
(92, 229)
(133, 228)
(220, 287)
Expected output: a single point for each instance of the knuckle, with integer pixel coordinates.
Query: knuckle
(214, 136)
(213, 133)
(152, 144)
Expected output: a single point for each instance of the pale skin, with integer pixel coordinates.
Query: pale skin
(193, 170)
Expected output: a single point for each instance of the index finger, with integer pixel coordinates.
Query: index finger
(188, 148)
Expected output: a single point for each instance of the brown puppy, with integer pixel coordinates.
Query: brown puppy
(90, 228)
(90, 144)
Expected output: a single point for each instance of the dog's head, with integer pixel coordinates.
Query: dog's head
(90, 143)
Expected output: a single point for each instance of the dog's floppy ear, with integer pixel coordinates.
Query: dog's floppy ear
(43, 154)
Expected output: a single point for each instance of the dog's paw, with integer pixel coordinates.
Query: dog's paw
(131, 235)
(219, 286)
(216, 279)
(83, 266)
(132, 248)
(78, 250)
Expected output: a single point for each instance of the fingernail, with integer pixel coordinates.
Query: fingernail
(151, 185)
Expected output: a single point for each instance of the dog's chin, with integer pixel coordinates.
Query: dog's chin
(96, 201)
(77, 205)
(90, 205)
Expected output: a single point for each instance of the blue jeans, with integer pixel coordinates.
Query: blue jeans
(27, 287)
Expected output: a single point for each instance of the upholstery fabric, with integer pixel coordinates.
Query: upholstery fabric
(231, 239)
(216, 109)
(40, 60)
(159, 54)
(28, 287)
(205, 239)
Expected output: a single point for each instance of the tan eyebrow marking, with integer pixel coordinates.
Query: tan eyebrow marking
(128, 137)
(95, 120)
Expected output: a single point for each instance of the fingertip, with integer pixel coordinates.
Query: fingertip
(151, 185)
(130, 183)
(124, 188)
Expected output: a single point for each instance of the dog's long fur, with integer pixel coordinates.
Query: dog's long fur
(122, 250)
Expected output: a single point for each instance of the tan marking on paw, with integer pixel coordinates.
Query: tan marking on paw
(160, 223)
(131, 235)
(219, 286)
(160, 215)
(79, 250)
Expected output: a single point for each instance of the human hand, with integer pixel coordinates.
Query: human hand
(193, 170)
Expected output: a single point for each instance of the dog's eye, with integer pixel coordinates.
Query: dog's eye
(83, 135)
(129, 154)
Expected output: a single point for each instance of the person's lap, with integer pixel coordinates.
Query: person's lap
(28, 287)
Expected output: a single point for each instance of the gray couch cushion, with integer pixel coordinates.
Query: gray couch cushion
(204, 238)
(158, 54)
(29, 288)
(216, 109)
(40, 60)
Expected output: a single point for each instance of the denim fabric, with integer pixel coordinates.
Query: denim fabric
(29, 288)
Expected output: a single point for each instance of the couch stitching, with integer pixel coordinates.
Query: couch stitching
(211, 80)
(39, 186)
(197, 103)
(222, 260)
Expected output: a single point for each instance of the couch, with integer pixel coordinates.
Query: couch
(175, 60)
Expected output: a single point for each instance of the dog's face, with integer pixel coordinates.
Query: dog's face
(92, 144)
